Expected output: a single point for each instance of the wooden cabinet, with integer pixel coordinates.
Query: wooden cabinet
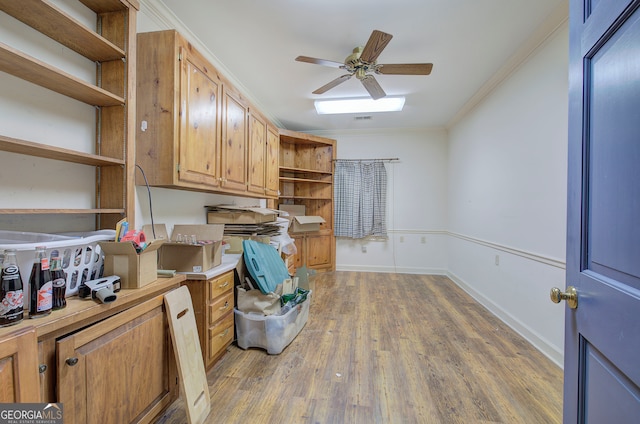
(19, 367)
(213, 304)
(178, 137)
(107, 363)
(196, 131)
(233, 152)
(306, 178)
(112, 48)
(264, 142)
(117, 371)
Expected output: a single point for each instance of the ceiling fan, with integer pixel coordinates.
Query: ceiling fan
(362, 64)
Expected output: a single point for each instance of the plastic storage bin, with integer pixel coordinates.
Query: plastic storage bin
(273, 332)
(82, 259)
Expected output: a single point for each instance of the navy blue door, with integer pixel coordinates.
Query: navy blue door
(602, 339)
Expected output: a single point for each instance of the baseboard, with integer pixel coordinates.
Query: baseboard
(392, 269)
(532, 337)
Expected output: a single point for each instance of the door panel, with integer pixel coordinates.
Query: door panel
(199, 138)
(602, 337)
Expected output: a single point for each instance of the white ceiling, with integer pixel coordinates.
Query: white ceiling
(468, 41)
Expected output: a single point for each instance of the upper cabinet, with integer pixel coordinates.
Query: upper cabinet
(112, 48)
(195, 130)
(178, 135)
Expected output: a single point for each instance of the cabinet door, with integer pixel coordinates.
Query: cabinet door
(272, 171)
(19, 367)
(119, 370)
(319, 251)
(199, 133)
(257, 151)
(234, 141)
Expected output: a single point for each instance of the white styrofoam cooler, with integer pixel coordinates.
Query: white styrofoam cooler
(82, 259)
(272, 332)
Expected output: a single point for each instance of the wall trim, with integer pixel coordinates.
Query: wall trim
(392, 269)
(558, 263)
(531, 336)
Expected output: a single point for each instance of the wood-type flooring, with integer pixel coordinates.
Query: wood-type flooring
(387, 348)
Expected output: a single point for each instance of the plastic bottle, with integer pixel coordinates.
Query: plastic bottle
(11, 291)
(59, 279)
(40, 286)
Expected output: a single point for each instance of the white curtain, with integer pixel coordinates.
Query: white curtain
(360, 199)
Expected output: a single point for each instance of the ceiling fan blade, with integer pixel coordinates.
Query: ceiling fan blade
(332, 84)
(371, 84)
(406, 69)
(322, 62)
(377, 42)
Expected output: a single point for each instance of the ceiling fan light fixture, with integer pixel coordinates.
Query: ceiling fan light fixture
(359, 105)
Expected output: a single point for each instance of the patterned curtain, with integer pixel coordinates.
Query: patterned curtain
(360, 199)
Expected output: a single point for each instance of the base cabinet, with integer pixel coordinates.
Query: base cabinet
(106, 363)
(117, 371)
(213, 304)
(19, 367)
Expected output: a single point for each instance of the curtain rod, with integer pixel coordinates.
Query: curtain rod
(366, 160)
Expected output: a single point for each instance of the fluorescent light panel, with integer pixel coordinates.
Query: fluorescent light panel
(362, 105)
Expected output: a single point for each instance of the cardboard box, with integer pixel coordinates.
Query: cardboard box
(184, 257)
(293, 210)
(224, 214)
(305, 224)
(299, 222)
(135, 270)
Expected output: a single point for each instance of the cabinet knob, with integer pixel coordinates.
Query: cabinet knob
(71, 361)
(42, 368)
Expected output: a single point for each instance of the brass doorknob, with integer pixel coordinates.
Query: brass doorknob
(571, 296)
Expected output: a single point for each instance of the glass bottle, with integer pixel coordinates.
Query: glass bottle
(40, 286)
(59, 279)
(11, 290)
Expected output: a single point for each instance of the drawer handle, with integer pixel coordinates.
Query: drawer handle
(224, 334)
(226, 283)
(226, 305)
(71, 361)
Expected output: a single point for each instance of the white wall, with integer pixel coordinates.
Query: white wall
(507, 197)
(416, 202)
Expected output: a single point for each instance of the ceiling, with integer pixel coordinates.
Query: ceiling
(468, 42)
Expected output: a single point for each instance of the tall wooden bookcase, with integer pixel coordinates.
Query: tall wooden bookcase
(111, 45)
(306, 178)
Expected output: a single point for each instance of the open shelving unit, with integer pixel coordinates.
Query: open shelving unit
(306, 178)
(112, 47)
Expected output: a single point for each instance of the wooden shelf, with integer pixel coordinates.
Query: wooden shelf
(105, 6)
(304, 171)
(303, 180)
(57, 25)
(33, 70)
(59, 211)
(305, 198)
(14, 145)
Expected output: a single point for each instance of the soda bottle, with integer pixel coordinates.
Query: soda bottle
(40, 286)
(59, 279)
(11, 290)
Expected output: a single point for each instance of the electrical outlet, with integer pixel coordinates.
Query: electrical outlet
(497, 260)
(401, 239)
(364, 249)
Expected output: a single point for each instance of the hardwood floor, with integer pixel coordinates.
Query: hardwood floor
(388, 348)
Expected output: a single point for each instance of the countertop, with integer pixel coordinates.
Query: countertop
(229, 262)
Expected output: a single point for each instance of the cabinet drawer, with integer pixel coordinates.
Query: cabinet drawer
(220, 285)
(220, 335)
(220, 307)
